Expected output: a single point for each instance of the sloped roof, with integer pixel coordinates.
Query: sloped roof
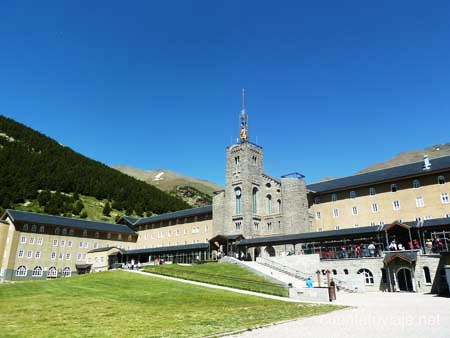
(103, 249)
(176, 214)
(31, 217)
(411, 169)
(310, 236)
(185, 247)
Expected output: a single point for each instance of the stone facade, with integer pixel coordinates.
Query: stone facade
(255, 204)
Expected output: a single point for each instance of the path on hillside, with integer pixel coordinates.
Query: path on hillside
(375, 314)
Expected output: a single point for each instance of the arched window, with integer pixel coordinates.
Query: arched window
(238, 196)
(269, 204)
(21, 271)
(41, 229)
(255, 200)
(64, 232)
(37, 271)
(426, 272)
(416, 184)
(52, 272)
(279, 206)
(67, 272)
(57, 231)
(368, 276)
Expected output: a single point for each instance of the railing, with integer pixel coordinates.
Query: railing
(297, 273)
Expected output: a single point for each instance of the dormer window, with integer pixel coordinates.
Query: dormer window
(352, 194)
(441, 179)
(393, 187)
(317, 200)
(372, 191)
(416, 184)
(334, 197)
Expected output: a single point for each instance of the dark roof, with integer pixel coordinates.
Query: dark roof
(103, 249)
(186, 247)
(429, 223)
(411, 169)
(176, 214)
(31, 217)
(311, 236)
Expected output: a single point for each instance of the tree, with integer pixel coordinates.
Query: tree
(107, 209)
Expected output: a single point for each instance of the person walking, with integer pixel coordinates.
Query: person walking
(309, 283)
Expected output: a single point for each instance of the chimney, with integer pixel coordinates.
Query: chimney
(426, 163)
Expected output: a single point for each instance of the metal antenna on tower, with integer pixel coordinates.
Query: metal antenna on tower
(243, 134)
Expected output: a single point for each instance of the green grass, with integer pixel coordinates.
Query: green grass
(224, 274)
(122, 304)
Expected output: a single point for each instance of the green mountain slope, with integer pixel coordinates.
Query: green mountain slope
(196, 192)
(31, 162)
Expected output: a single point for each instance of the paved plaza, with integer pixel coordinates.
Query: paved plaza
(373, 314)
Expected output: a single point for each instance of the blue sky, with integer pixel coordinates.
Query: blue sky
(332, 86)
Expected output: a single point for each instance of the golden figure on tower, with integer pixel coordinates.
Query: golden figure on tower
(243, 134)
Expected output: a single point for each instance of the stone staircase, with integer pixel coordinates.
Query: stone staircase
(301, 276)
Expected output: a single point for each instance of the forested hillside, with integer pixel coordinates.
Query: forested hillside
(31, 162)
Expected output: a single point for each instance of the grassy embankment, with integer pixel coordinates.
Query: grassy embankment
(224, 274)
(121, 304)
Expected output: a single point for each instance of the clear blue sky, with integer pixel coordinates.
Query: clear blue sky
(332, 86)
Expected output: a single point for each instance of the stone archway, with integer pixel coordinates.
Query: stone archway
(405, 280)
(269, 251)
(257, 253)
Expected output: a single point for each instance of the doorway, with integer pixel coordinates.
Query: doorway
(404, 280)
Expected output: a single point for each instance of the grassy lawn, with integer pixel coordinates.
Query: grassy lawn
(122, 304)
(225, 274)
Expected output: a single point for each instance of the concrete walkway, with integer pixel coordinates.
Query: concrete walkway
(212, 286)
(374, 314)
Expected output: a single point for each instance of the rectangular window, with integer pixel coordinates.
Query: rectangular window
(61, 256)
(20, 253)
(40, 241)
(372, 191)
(55, 242)
(444, 198)
(69, 244)
(317, 200)
(374, 207)
(354, 211)
(336, 212)
(336, 227)
(396, 205)
(372, 224)
(53, 255)
(80, 245)
(78, 256)
(86, 245)
(23, 240)
(63, 242)
(37, 255)
(428, 217)
(68, 256)
(31, 240)
(419, 202)
(318, 215)
(95, 245)
(356, 225)
(29, 253)
(447, 215)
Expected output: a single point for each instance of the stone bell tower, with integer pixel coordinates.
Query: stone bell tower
(244, 169)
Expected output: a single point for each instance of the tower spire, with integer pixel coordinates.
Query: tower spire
(243, 117)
